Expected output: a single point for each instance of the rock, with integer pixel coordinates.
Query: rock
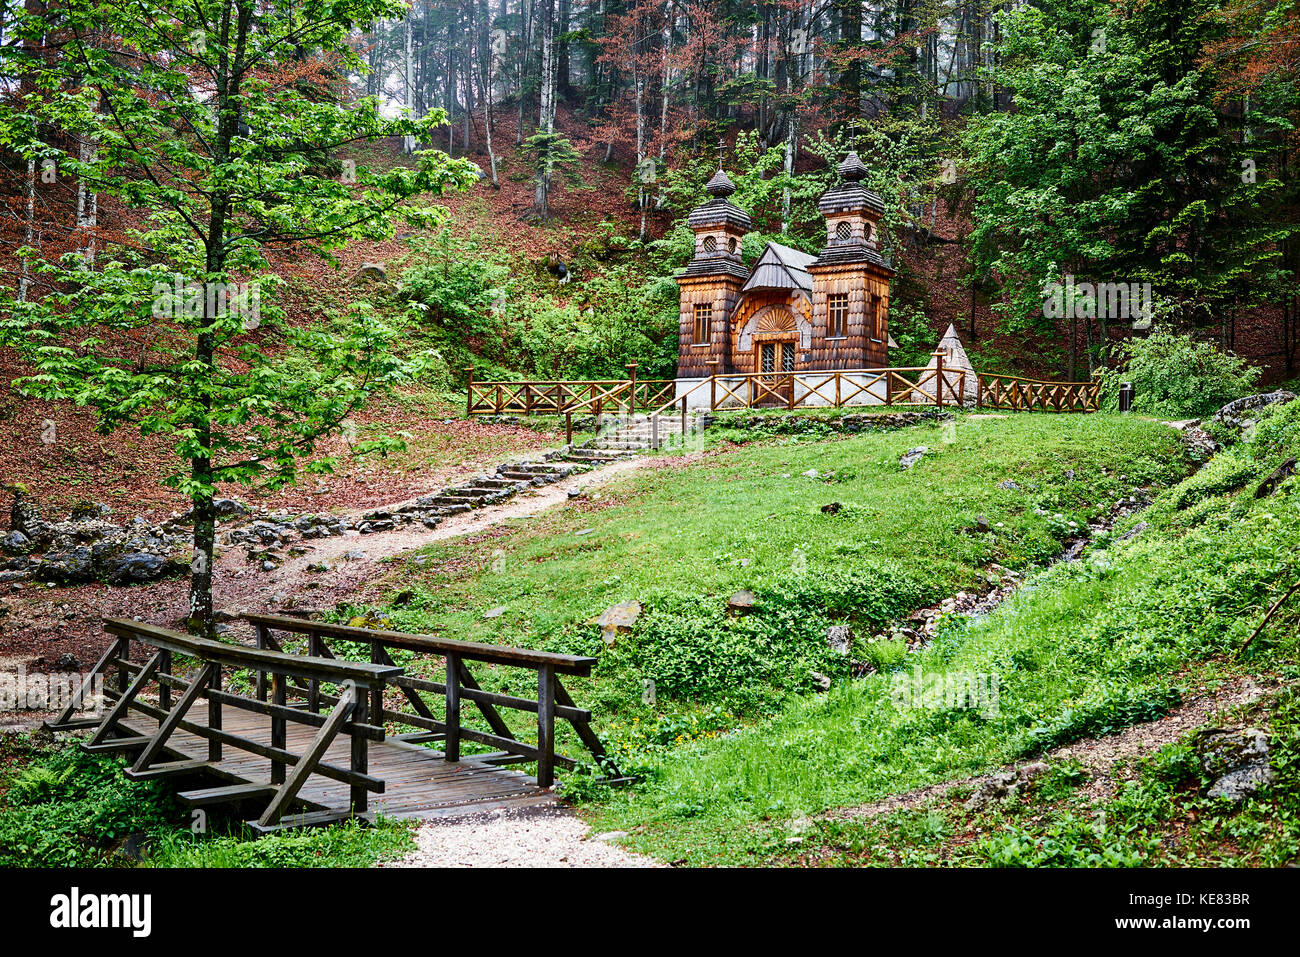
(1133, 532)
(822, 681)
(839, 638)
(981, 524)
(16, 543)
(268, 566)
(1009, 485)
(1280, 475)
(811, 473)
(374, 272)
(134, 567)
(131, 848)
(912, 456)
(617, 619)
(495, 612)
(832, 508)
(1004, 785)
(608, 836)
(68, 568)
(23, 517)
(741, 603)
(1238, 759)
(1233, 414)
(354, 555)
(67, 662)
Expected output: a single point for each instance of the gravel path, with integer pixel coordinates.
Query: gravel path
(532, 837)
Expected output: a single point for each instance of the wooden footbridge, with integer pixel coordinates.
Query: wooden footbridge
(303, 735)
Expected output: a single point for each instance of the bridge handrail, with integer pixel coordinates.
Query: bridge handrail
(474, 650)
(552, 700)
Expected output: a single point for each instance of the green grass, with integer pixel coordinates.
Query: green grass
(1156, 814)
(61, 807)
(682, 537)
(1085, 648)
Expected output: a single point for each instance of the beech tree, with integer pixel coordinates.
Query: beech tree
(214, 124)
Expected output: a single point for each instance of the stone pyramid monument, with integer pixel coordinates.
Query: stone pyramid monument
(955, 361)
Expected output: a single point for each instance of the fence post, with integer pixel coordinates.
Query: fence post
(469, 390)
(938, 377)
(452, 750)
(631, 374)
(214, 713)
(979, 391)
(361, 745)
(278, 736)
(261, 675)
(568, 428)
(713, 384)
(683, 421)
(545, 726)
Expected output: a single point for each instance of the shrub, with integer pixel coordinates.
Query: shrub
(1174, 375)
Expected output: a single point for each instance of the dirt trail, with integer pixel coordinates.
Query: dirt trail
(289, 580)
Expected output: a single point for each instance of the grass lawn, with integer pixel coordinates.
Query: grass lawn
(1086, 648)
(683, 535)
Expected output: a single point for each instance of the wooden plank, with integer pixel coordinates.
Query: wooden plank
(451, 723)
(116, 744)
(171, 769)
(225, 794)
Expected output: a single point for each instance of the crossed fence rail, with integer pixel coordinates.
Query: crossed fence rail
(932, 385)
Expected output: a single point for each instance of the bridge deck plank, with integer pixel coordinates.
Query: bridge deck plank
(417, 781)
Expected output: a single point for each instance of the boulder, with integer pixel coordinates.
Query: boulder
(71, 567)
(134, 567)
(16, 543)
(742, 603)
(373, 272)
(1236, 413)
(618, 619)
(912, 456)
(1238, 759)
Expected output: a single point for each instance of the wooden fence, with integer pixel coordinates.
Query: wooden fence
(558, 397)
(444, 723)
(932, 385)
(1018, 394)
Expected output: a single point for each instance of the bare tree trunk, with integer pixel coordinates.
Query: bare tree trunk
(29, 232)
(546, 110)
(486, 73)
(87, 204)
(408, 89)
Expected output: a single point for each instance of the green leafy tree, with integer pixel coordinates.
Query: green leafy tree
(212, 119)
(1116, 165)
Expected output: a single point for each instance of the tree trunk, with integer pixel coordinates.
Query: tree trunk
(546, 110)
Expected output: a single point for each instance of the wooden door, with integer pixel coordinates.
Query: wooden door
(775, 372)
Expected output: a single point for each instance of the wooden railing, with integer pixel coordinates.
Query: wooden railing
(1019, 394)
(562, 397)
(459, 685)
(289, 771)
